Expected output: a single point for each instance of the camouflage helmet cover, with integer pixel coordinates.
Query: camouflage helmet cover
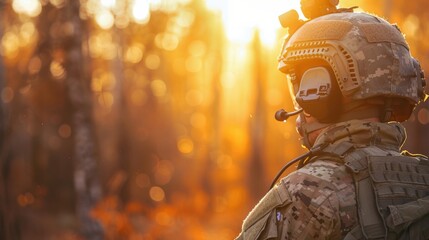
(369, 57)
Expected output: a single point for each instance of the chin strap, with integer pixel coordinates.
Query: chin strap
(312, 152)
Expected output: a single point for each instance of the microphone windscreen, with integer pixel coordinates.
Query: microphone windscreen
(281, 115)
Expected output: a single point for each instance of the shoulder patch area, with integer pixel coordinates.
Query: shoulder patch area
(255, 222)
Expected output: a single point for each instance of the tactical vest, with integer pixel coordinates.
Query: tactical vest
(392, 192)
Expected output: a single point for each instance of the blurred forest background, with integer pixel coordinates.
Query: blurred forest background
(151, 119)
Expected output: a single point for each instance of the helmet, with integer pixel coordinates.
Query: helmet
(344, 66)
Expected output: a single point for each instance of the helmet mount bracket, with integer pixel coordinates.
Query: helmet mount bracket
(311, 9)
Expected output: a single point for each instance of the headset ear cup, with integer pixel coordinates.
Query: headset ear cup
(319, 94)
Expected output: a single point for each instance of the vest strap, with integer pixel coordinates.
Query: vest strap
(370, 220)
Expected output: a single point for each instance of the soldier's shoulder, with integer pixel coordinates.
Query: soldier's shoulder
(322, 170)
(319, 194)
(319, 178)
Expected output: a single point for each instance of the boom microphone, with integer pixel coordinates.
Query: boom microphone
(281, 115)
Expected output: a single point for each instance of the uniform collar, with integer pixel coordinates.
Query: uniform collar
(362, 133)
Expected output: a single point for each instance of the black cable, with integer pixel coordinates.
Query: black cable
(313, 151)
(306, 155)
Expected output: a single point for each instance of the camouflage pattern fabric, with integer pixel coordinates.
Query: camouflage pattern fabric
(322, 203)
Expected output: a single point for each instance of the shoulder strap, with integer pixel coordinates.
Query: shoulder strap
(371, 225)
(329, 152)
(370, 220)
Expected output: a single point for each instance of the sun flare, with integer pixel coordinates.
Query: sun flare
(241, 18)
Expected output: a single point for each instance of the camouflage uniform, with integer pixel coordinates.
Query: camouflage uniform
(319, 199)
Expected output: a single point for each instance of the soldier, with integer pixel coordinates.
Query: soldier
(353, 81)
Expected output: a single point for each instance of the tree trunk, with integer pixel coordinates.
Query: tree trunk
(6, 209)
(9, 228)
(257, 124)
(87, 185)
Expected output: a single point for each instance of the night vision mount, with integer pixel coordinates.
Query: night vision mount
(311, 9)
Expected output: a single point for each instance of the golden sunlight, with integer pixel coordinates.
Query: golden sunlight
(105, 19)
(241, 18)
(141, 11)
(108, 3)
(31, 8)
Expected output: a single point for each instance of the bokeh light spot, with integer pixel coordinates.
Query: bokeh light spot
(25, 199)
(185, 18)
(106, 99)
(34, 65)
(57, 70)
(122, 21)
(102, 80)
(10, 44)
(152, 61)
(164, 172)
(7, 94)
(31, 8)
(58, 3)
(28, 33)
(96, 85)
(158, 87)
(102, 45)
(157, 194)
(167, 41)
(105, 19)
(108, 3)
(185, 145)
(134, 54)
(423, 116)
(141, 11)
(65, 131)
